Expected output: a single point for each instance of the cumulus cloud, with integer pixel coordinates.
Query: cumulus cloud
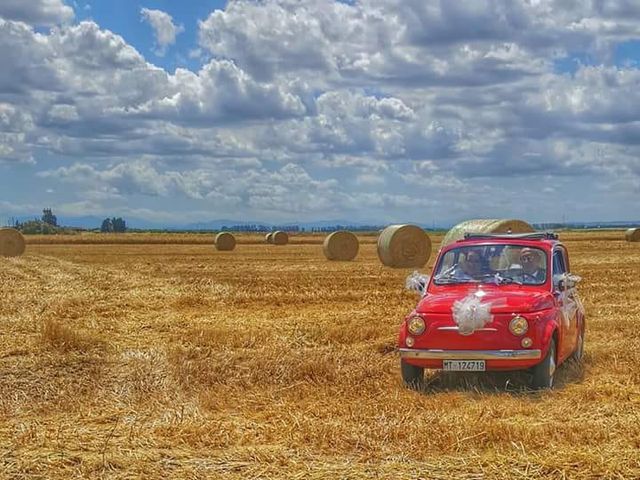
(36, 12)
(87, 90)
(376, 41)
(413, 42)
(287, 189)
(164, 29)
(220, 92)
(15, 128)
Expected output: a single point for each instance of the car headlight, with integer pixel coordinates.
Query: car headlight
(416, 325)
(518, 325)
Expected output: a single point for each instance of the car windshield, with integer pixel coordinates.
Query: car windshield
(499, 264)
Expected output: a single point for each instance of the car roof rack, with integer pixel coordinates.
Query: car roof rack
(519, 236)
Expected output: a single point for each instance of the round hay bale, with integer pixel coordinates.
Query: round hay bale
(269, 237)
(404, 246)
(12, 243)
(225, 241)
(491, 225)
(279, 238)
(341, 245)
(632, 235)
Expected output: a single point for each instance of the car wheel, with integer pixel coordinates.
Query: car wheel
(578, 353)
(412, 376)
(544, 372)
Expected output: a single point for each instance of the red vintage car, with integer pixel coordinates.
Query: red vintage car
(496, 302)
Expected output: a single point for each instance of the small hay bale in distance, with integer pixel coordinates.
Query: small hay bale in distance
(632, 235)
(404, 246)
(269, 237)
(12, 243)
(279, 238)
(341, 245)
(492, 225)
(225, 241)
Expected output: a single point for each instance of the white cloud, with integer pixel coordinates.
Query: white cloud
(369, 179)
(16, 126)
(466, 42)
(164, 29)
(289, 188)
(36, 12)
(394, 42)
(220, 92)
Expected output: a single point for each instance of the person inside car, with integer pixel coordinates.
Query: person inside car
(472, 264)
(533, 271)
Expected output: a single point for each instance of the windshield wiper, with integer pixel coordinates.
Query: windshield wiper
(449, 276)
(451, 280)
(499, 279)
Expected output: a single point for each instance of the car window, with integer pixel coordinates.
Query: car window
(492, 264)
(567, 266)
(558, 263)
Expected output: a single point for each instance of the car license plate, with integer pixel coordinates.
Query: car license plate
(463, 365)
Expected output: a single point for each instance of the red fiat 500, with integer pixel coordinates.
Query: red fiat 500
(496, 302)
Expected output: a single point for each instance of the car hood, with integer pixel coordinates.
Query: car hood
(503, 299)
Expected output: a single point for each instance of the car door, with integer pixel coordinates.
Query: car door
(567, 304)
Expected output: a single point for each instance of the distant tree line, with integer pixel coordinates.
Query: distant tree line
(48, 224)
(261, 228)
(45, 225)
(351, 228)
(245, 228)
(297, 228)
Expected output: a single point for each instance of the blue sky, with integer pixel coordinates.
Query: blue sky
(371, 110)
(123, 17)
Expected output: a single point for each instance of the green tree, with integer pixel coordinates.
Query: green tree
(107, 226)
(49, 218)
(119, 225)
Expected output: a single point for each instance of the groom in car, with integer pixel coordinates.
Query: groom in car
(533, 271)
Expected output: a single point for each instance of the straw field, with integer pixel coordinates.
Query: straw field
(175, 360)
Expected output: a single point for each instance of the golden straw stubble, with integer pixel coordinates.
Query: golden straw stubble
(404, 246)
(12, 242)
(225, 241)
(279, 238)
(632, 235)
(341, 245)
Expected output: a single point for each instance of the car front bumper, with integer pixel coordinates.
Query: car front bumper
(502, 355)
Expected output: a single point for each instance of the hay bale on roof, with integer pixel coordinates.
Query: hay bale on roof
(632, 235)
(12, 243)
(225, 241)
(492, 225)
(341, 245)
(280, 238)
(404, 246)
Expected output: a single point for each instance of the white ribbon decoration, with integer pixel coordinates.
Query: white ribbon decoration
(470, 314)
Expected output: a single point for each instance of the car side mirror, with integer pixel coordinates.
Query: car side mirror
(417, 282)
(565, 281)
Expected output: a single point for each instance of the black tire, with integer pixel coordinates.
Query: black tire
(544, 372)
(578, 353)
(412, 376)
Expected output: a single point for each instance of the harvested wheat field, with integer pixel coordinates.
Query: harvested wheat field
(179, 361)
